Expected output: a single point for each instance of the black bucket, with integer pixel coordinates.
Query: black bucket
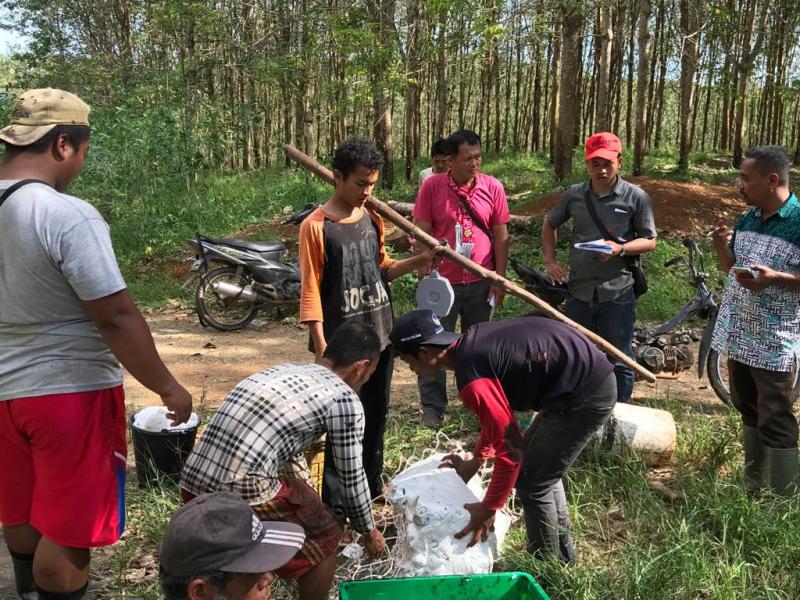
(160, 454)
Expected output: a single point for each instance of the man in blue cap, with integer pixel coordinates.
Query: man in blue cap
(532, 363)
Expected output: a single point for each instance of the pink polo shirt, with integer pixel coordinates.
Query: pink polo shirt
(438, 205)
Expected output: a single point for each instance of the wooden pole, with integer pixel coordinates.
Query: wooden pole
(405, 208)
(510, 287)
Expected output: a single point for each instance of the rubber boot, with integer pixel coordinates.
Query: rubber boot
(783, 470)
(754, 460)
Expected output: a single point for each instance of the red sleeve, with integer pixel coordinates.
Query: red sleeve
(486, 398)
(423, 206)
(500, 215)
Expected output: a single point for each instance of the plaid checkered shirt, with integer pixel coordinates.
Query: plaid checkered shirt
(265, 424)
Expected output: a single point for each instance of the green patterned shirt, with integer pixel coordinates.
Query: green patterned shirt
(762, 329)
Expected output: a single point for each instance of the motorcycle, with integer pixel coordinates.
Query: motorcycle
(665, 348)
(253, 277)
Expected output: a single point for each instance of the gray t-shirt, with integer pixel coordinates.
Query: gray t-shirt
(626, 212)
(55, 251)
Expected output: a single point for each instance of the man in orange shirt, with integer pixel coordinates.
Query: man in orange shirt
(345, 273)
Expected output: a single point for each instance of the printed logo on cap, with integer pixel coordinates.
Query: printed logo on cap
(601, 142)
(437, 322)
(258, 527)
(413, 336)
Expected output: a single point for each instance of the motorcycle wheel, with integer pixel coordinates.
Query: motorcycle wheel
(225, 314)
(717, 371)
(717, 368)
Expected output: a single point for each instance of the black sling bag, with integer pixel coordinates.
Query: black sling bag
(18, 185)
(634, 263)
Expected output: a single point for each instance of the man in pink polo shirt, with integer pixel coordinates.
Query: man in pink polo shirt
(469, 209)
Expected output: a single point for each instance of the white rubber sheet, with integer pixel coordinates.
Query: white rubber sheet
(430, 502)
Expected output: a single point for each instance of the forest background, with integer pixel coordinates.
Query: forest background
(193, 100)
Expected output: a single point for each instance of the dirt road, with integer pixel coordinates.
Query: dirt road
(209, 362)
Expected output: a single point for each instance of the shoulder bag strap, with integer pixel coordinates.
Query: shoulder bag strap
(18, 185)
(475, 220)
(631, 261)
(597, 222)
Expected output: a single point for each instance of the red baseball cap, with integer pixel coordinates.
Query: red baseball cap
(603, 145)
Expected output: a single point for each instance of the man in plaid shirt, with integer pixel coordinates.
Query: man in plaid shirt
(261, 431)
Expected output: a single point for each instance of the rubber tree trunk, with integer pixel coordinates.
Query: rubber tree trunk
(642, 77)
(554, 97)
(690, 37)
(442, 100)
(602, 119)
(569, 105)
(412, 91)
(382, 11)
(744, 70)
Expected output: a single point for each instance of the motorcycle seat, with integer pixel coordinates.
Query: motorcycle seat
(268, 246)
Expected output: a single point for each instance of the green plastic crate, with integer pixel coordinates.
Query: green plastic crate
(494, 586)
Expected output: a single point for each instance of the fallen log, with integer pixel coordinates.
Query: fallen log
(510, 287)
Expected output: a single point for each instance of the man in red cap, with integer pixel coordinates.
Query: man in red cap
(603, 285)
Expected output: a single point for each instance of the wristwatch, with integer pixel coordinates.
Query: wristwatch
(621, 250)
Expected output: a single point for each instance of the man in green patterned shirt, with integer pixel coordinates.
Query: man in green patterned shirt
(759, 320)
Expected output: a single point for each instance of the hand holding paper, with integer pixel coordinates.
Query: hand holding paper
(596, 246)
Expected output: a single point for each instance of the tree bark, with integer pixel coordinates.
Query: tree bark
(664, 53)
(642, 77)
(602, 119)
(287, 82)
(442, 101)
(707, 102)
(536, 116)
(629, 96)
(690, 37)
(382, 16)
(554, 93)
(744, 70)
(412, 88)
(569, 102)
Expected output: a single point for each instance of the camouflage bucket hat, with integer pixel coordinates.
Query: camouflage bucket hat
(37, 112)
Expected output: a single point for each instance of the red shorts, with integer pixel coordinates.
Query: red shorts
(298, 503)
(62, 466)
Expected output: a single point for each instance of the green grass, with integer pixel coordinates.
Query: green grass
(712, 541)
